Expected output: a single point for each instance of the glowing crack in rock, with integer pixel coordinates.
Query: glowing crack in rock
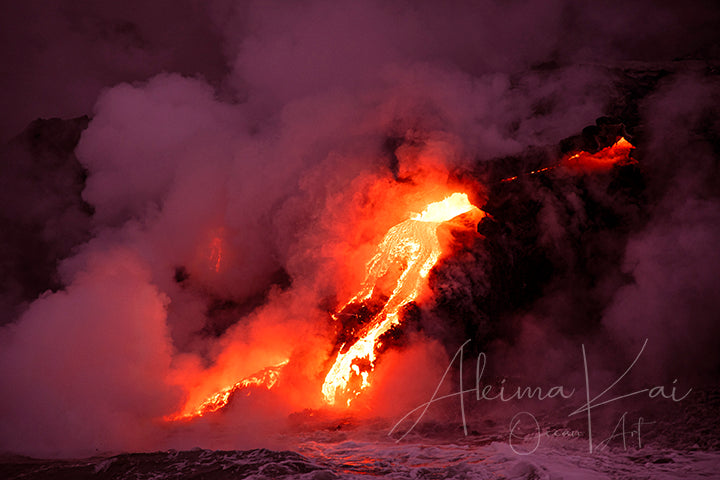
(266, 377)
(414, 246)
(616, 154)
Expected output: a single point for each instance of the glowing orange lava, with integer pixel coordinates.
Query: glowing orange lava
(604, 160)
(396, 273)
(616, 154)
(216, 253)
(394, 277)
(407, 253)
(266, 377)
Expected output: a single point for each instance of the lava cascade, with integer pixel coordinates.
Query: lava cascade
(406, 254)
(394, 277)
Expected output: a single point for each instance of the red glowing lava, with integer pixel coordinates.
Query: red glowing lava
(584, 162)
(216, 253)
(616, 154)
(408, 252)
(406, 255)
(394, 277)
(266, 377)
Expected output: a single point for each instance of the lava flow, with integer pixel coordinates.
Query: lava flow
(616, 154)
(406, 254)
(394, 276)
(266, 377)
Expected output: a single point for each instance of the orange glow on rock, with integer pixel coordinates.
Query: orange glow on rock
(216, 253)
(584, 162)
(605, 159)
(266, 377)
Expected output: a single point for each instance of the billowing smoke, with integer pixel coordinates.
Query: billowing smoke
(240, 162)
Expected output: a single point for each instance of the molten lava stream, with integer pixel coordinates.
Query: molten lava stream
(407, 253)
(616, 154)
(266, 377)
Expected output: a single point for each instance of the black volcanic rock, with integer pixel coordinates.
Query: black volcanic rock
(190, 464)
(546, 232)
(42, 213)
(596, 137)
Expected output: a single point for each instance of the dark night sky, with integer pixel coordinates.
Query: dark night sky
(57, 56)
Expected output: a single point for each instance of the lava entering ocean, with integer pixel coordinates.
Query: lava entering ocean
(394, 277)
(267, 377)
